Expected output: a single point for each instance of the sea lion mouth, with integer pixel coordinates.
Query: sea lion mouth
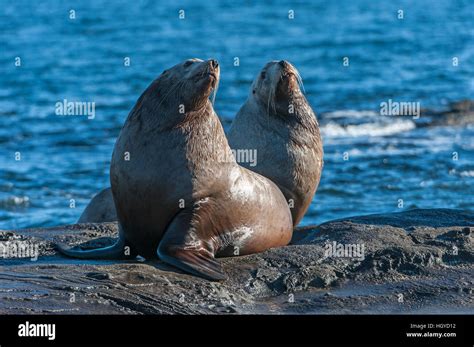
(206, 80)
(290, 76)
(209, 72)
(286, 85)
(205, 75)
(289, 83)
(210, 77)
(213, 77)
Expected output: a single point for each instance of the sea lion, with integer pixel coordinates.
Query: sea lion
(100, 209)
(181, 195)
(278, 122)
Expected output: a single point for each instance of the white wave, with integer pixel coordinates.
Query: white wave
(469, 173)
(332, 129)
(350, 113)
(15, 201)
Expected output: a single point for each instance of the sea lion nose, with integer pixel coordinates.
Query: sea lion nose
(283, 63)
(214, 63)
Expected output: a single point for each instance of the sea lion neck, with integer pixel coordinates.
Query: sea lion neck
(196, 117)
(205, 140)
(175, 116)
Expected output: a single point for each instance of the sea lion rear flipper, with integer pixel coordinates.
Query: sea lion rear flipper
(193, 261)
(181, 248)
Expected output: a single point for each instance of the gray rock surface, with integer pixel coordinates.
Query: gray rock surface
(417, 261)
(458, 113)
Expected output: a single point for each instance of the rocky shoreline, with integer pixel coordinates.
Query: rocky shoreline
(459, 113)
(454, 114)
(417, 261)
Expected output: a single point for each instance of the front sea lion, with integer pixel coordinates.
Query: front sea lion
(181, 195)
(278, 122)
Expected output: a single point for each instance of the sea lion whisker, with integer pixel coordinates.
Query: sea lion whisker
(171, 90)
(268, 102)
(179, 89)
(271, 98)
(214, 92)
(299, 80)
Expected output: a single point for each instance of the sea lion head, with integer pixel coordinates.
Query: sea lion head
(189, 83)
(277, 86)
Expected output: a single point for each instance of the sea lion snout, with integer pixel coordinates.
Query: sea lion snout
(287, 70)
(213, 71)
(208, 69)
(275, 86)
(213, 63)
(289, 81)
(284, 64)
(205, 79)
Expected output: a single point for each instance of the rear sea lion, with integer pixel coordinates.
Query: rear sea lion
(278, 122)
(100, 209)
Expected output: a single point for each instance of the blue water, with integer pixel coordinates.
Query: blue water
(410, 59)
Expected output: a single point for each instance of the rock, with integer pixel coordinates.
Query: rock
(457, 114)
(463, 106)
(417, 261)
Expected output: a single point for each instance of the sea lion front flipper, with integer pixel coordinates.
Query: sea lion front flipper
(116, 251)
(182, 247)
(121, 249)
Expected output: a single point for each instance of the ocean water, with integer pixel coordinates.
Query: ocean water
(391, 164)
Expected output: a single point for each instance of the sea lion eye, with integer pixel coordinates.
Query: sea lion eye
(186, 64)
(263, 75)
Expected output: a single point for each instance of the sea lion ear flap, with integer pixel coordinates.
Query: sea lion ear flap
(165, 76)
